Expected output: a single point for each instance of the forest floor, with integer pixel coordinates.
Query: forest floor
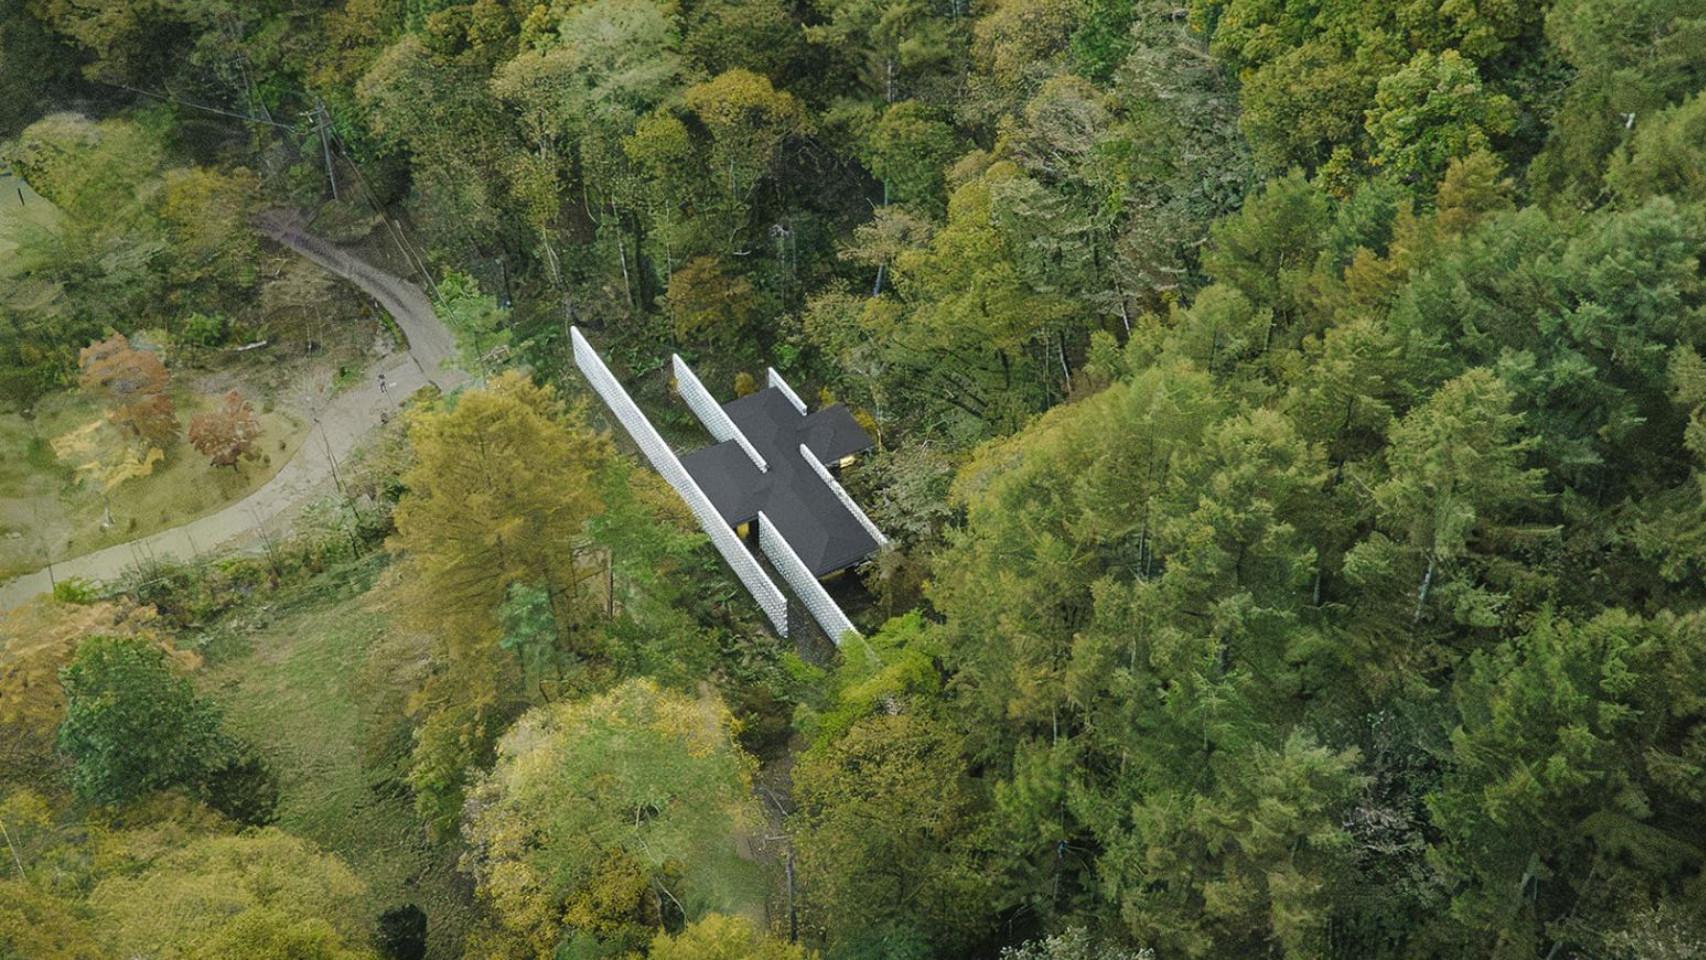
(315, 681)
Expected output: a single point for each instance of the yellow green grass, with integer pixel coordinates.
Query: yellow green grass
(17, 216)
(318, 689)
(50, 512)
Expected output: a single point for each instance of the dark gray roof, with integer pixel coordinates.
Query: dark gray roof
(801, 507)
(729, 477)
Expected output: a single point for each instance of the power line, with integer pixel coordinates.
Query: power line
(199, 106)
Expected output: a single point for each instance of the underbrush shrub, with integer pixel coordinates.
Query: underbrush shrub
(240, 785)
(205, 330)
(402, 933)
(75, 590)
(190, 593)
(331, 533)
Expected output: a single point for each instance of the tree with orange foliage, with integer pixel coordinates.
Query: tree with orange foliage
(228, 434)
(132, 383)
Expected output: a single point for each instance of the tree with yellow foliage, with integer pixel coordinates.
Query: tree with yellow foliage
(717, 936)
(260, 894)
(606, 817)
(503, 484)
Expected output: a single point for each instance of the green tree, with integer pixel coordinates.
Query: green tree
(977, 336)
(1268, 249)
(1631, 59)
(606, 816)
(887, 836)
(893, 49)
(576, 94)
(1457, 481)
(1048, 512)
(132, 725)
(1573, 780)
(1431, 112)
(757, 35)
(908, 148)
(1250, 865)
(480, 325)
(435, 109)
(1664, 158)
(749, 122)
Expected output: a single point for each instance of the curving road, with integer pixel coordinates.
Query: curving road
(338, 426)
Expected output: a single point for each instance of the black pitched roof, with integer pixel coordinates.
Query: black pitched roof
(800, 506)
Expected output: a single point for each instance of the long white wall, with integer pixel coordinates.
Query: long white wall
(710, 412)
(770, 597)
(821, 605)
(842, 495)
(774, 379)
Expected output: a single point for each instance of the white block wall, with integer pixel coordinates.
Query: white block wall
(819, 603)
(841, 494)
(665, 462)
(774, 379)
(710, 412)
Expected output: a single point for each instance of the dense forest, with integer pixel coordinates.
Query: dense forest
(1291, 426)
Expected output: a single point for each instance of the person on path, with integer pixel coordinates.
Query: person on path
(382, 383)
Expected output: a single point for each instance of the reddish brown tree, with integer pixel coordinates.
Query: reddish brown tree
(132, 383)
(228, 434)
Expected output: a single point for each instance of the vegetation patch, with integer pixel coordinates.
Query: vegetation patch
(311, 694)
(52, 508)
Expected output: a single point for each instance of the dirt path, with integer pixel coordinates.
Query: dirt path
(338, 426)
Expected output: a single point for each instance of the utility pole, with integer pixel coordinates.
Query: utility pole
(321, 122)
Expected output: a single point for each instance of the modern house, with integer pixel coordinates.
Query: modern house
(769, 480)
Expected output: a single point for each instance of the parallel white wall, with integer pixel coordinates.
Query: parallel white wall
(665, 462)
(819, 603)
(710, 412)
(841, 494)
(774, 379)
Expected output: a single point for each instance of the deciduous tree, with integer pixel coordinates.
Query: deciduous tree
(887, 836)
(262, 894)
(132, 383)
(717, 936)
(228, 434)
(500, 492)
(132, 725)
(604, 816)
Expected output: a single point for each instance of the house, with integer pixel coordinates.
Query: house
(769, 480)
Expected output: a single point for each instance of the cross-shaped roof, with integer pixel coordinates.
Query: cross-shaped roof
(799, 503)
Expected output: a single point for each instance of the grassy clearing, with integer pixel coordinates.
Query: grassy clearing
(315, 681)
(49, 513)
(20, 208)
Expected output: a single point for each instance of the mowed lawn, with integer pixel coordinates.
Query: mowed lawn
(309, 683)
(50, 512)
